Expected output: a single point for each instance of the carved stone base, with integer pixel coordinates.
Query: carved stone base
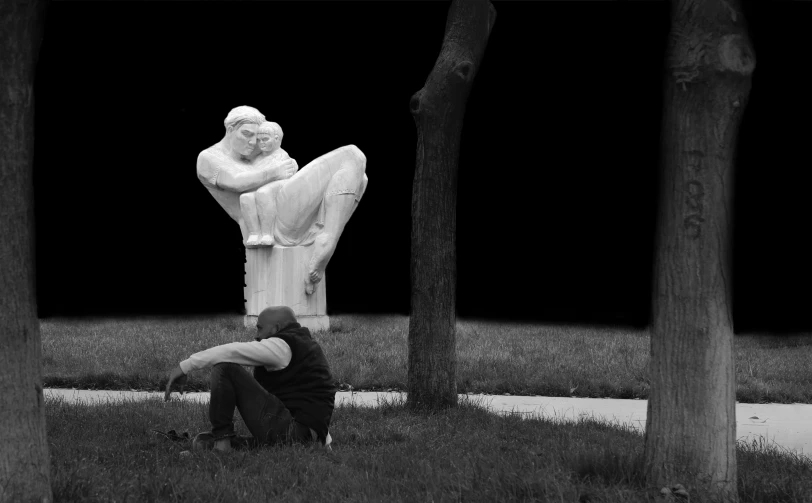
(275, 276)
(312, 323)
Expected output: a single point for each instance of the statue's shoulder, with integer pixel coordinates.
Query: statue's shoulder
(214, 157)
(209, 154)
(209, 164)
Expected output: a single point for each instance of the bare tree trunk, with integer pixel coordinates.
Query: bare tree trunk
(438, 109)
(24, 459)
(691, 427)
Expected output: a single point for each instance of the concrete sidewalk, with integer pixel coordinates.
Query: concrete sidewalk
(787, 425)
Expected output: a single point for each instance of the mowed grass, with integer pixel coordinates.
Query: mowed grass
(106, 452)
(370, 353)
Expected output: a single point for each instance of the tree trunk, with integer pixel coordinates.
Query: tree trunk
(691, 426)
(438, 109)
(24, 459)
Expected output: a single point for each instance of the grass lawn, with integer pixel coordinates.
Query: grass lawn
(105, 452)
(369, 353)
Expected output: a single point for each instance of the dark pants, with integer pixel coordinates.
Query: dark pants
(266, 417)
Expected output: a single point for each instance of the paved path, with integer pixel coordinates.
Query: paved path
(787, 425)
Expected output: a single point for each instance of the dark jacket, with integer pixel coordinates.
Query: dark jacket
(305, 386)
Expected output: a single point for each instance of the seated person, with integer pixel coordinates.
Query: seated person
(258, 207)
(289, 398)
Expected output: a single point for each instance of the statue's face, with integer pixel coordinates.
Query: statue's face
(266, 142)
(244, 139)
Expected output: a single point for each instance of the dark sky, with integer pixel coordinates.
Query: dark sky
(558, 167)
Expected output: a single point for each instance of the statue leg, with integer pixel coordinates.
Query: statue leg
(335, 180)
(248, 207)
(339, 207)
(364, 182)
(266, 210)
(243, 230)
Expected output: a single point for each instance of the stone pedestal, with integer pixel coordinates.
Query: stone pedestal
(275, 276)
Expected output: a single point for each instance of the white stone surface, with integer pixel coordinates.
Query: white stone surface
(312, 323)
(277, 276)
(275, 203)
(786, 425)
(259, 206)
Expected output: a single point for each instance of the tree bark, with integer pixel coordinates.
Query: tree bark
(438, 109)
(24, 459)
(691, 426)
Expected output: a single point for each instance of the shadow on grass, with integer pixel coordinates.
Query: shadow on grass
(130, 382)
(105, 452)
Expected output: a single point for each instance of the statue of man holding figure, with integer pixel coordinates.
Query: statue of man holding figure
(294, 207)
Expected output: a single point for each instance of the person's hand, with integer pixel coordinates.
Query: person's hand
(176, 377)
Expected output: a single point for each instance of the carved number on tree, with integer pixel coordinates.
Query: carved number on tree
(694, 195)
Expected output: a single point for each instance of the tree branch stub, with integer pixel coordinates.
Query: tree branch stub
(735, 55)
(708, 37)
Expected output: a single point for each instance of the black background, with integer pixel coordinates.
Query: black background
(558, 167)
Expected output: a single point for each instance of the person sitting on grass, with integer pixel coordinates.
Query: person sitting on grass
(290, 397)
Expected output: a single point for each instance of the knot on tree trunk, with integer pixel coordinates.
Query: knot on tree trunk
(414, 102)
(735, 55)
(463, 70)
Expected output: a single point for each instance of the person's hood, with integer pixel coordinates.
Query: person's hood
(273, 320)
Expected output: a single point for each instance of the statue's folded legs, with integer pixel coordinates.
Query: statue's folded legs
(314, 205)
(249, 206)
(338, 208)
(266, 210)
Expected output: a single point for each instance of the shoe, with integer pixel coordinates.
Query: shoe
(203, 441)
(206, 441)
(242, 443)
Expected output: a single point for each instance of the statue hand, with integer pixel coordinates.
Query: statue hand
(291, 168)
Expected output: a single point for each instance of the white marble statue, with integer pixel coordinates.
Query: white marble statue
(258, 185)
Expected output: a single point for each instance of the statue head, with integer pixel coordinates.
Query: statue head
(272, 320)
(241, 129)
(269, 136)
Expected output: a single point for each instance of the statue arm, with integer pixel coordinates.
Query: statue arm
(243, 181)
(281, 160)
(283, 156)
(218, 173)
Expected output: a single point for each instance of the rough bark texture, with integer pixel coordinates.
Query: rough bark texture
(691, 427)
(438, 109)
(24, 460)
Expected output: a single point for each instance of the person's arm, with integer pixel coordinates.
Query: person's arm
(272, 353)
